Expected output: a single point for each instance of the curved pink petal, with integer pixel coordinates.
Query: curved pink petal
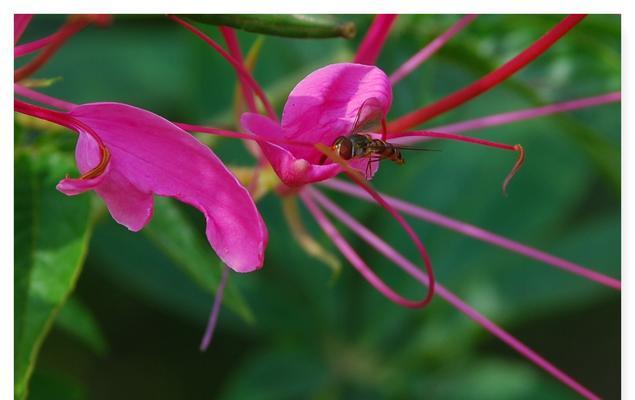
(325, 104)
(150, 155)
(291, 170)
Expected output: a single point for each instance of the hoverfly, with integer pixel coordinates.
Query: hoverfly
(359, 145)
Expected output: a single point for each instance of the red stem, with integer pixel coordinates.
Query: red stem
(488, 81)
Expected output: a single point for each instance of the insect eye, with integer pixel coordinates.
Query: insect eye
(345, 149)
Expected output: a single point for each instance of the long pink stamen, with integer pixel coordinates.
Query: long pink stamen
(42, 98)
(514, 116)
(448, 296)
(234, 49)
(240, 69)
(371, 45)
(74, 25)
(28, 48)
(432, 47)
(213, 317)
(520, 115)
(488, 81)
(238, 135)
(20, 22)
(453, 136)
(476, 233)
(351, 255)
(362, 183)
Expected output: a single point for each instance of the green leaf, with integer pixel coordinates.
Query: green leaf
(51, 384)
(174, 234)
(290, 25)
(77, 320)
(51, 238)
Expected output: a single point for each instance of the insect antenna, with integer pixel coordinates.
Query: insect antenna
(413, 148)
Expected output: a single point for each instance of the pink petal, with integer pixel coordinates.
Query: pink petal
(325, 104)
(150, 155)
(291, 170)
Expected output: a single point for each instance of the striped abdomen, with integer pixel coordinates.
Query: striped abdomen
(387, 151)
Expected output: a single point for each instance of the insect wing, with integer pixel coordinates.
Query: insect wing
(368, 117)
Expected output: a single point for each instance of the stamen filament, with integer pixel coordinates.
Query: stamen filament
(476, 233)
(452, 136)
(371, 45)
(361, 182)
(28, 48)
(234, 49)
(42, 98)
(238, 135)
(237, 66)
(73, 26)
(515, 116)
(20, 21)
(519, 115)
(432, 47)
(351, 255)
(389, 252)
(490, 80)
(213, 317)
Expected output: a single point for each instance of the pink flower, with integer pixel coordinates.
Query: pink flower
(127, 155)
(322, 107)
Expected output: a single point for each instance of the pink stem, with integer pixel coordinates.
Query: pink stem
(448, 296)
(520, 115)
(350, 254)
(234, 49)
(20, 22)
(213, 318)
(240, 69)
(477, 233)
(432, 47)
(373, 42)
(42, 98)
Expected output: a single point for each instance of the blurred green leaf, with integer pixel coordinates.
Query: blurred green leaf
(51, 238)
(51, 385)
(77, 320)
(259, 378)
(174, 234)
(287, 25)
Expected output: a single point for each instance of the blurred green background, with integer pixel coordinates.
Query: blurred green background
(132, 326)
